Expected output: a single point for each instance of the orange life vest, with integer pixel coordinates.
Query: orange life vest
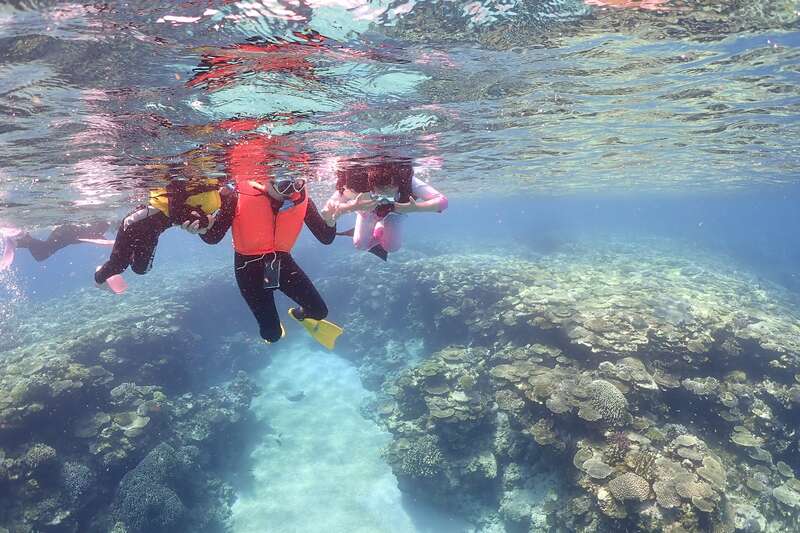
(258, 229)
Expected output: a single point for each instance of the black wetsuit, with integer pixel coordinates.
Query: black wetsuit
(137, 236)
(61, 237)
(294, 283)
(135, 244)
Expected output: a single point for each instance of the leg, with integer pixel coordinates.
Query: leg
(39, 249)
(296, 285)
(135, 244)
(261, 301)
(120, 257)
(145, 241)
(143, 251)
(363, 231)
(63, 236)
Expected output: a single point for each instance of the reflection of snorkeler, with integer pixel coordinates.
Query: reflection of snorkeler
(192, 199)
(220, 67)
(61, 237)
(653, 5)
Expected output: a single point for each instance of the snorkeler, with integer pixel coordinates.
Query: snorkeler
(193, 199)
(267, 214)
(61, 237)
(379, 193)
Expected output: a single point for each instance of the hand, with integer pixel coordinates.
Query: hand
(194, 227)
(362, 202)
(407, 207)
(330, 213)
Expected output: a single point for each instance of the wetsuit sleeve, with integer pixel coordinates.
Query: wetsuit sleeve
(223, 222)
(323, 232)
(423, 191)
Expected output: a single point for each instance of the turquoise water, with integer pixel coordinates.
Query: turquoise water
(600, 333)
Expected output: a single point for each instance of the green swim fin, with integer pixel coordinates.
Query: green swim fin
(324, 332)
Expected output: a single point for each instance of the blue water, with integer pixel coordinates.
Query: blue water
(624, 189)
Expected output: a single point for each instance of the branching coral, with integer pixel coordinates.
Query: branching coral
(618, 446)
(422, 459)
(644, 464)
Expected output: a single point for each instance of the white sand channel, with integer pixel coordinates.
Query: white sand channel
(318, 469)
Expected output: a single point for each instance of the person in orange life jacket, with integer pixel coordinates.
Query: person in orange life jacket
(266, 216)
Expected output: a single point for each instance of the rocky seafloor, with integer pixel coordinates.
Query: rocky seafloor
(636, 386)
(639, 386)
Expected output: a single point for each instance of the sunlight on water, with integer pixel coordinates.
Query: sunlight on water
(550, 96)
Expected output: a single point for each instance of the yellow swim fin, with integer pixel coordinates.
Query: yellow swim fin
(324, 332)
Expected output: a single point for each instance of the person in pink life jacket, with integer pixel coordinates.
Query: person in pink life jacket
(380, 193)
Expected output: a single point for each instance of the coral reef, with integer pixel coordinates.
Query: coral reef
(168, 491)
(603, 388)
(96, 406)
(660, 389)
(147, 500)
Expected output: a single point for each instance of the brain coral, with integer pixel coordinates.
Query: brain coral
(629, 486)
(608, 401)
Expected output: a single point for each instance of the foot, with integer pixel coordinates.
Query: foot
(115, 283)
(297, 313)
(283, 334)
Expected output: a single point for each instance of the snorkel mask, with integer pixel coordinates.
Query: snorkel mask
(287, 186)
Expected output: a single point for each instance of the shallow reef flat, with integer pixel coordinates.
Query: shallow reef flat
(108, 418)
(636, 386)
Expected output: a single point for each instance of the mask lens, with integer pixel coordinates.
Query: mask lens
(283, 186)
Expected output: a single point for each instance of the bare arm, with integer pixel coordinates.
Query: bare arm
(340, 204)
(424, 199)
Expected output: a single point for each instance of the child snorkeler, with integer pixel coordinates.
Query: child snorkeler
(380, 192)
(192, 199)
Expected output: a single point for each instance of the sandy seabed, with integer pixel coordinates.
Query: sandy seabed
(318, 467)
